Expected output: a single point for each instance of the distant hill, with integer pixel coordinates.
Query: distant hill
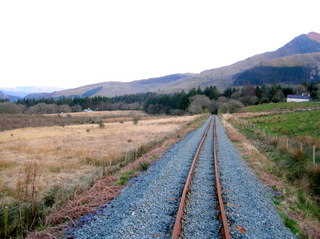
(300, 56)
(8, 97)
(113, 88)
(23, 91)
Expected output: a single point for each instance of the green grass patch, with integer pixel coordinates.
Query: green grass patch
(282, 106)
(154, 157)
(125, 177)
(143, 166)
(306, 123)
(290, 223)
(305, 204)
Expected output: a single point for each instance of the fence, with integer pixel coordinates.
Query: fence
(312, 152)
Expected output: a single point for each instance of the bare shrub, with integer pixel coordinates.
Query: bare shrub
(76, 108)
(199, 103)
(299, 156)
(43, 108)
(64, 108)
(11, 108)
(231, 106)
(136, 120)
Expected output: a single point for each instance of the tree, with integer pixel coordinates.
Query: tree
(300, 89)
(231, 106)
(76, 108)
(199, 103)
(11, 108)
(248, 95)
(278, 97)
(43, 108)
(64, 109)
(212, 92)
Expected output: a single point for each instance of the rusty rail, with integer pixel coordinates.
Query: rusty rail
(178, 223)
(225, 227)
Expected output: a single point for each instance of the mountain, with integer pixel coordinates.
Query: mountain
(301, 51)
(299, 58)
(22, 91)
(4, 96)
(113, 88)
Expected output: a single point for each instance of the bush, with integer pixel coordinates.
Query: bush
(231, 106)
(43, 108)
(11, 108)
(199, 103)
(299, 157)
(125, 177)
(314, 176)
(64, 109)
(101, 125)
(143, 166)
(136, 120)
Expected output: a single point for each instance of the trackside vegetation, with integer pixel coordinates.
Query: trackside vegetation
(289, 162)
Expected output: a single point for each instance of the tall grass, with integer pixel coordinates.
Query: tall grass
(47, 168)
(293, 167)
(14, 121)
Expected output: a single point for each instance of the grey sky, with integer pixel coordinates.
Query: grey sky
(73, 43)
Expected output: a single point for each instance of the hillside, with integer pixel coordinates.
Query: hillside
(113, 88)
(8, 97)
(302, 52)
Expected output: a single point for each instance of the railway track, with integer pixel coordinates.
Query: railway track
(203, 173)
(147, 207)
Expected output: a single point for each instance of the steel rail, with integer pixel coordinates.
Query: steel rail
(178, 223)
(225, 227)
(225, 233)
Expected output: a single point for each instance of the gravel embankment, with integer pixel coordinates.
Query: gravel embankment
(249, 202)
(147, 206)
(201, 215)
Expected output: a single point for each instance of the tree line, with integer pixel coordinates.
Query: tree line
(195, 100)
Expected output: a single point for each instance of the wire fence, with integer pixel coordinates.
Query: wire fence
(291, 146)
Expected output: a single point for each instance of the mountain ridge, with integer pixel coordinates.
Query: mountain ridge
(302, 51)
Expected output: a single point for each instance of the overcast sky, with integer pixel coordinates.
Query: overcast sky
(74, 43)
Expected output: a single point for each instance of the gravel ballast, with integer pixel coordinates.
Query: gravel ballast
(249, 203)
(201, 214)
(147, 206)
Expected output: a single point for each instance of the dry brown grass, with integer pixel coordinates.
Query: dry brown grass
(255, 160)
(16, 121)
(106, 114)
(66, 154)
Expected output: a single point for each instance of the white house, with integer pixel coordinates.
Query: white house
(298, 98)
(88, 110)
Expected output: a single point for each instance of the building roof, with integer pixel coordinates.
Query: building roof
(298, 97)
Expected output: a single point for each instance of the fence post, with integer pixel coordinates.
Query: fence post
(287, 144)
(301, 147)
(314, 154)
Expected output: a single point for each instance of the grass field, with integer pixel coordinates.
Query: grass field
(282, 106)
(296, 124)
(38, 166)
(14, 121)
(70, 152)
(291, 173)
